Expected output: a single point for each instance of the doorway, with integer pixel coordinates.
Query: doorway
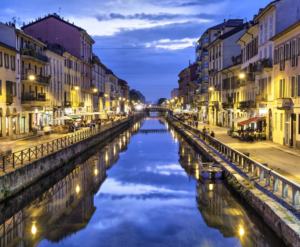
(287, 130)
(30, 122)
(293, 129)
(270, 125)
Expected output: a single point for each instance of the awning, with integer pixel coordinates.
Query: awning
(251, 120)
(239, 119)
(73, 117)
(98, 113)
(81, 114)
(62, 118)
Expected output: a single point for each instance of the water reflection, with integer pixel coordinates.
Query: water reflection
(147, 198)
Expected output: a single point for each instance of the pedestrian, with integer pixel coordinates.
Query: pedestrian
(196, 124)
(99, 124)
(91, 127)
(212, 134)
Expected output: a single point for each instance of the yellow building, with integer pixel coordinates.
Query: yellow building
(9, 111)
(284, 117)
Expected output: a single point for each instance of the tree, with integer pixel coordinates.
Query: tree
(161, 101)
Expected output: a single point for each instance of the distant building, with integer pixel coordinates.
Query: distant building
(142, 97)
(175, 93)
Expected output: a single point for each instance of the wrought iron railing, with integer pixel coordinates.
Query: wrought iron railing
(27, 155)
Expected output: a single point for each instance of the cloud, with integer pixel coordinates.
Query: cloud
(154, 17)
(199, 3)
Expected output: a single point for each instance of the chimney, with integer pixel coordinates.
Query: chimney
(224, 20)
(189, 62)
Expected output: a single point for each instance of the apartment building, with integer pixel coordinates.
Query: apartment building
(221, 51)
(286, 107)
(111, 91)
(124, 95)
(98, 77)
(54, 29)
(203, 60)
(11, 122)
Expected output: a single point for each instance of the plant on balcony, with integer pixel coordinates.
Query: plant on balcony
(264, 62)
(32, 52)
(49, 76)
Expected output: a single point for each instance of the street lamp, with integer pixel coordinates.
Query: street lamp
(123, 99)
(31, 77)
(76, 88)
(120, 98)
(105, 95)
(211, 88)
(242, 75)
(95, 90)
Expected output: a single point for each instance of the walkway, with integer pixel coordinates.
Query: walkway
(275, 155)
(18, 145)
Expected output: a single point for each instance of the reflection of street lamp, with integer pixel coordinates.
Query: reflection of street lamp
(33, 228)
(211, 187)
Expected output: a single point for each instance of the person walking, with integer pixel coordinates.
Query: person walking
(212, 134)
(196, 124)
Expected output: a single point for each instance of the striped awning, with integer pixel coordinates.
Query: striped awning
(251, 120)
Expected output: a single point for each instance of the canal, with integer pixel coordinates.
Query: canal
(138, 189)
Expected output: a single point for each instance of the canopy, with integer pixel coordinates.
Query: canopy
(98, 113)
(73, 117)
(251, 120)
(62, 118)
(239, 119)
(81, 114)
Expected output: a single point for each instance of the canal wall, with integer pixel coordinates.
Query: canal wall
(281, 217)
(23, 176)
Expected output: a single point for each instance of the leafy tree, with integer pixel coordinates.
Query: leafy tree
(161, 101)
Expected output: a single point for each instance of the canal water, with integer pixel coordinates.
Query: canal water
(140, 189)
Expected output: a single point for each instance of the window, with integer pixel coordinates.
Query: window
(293, 86)
(266, 28)
(271, 26)
(270, 52)
(6, 60)
(18, 66)
(260, 35)
(281, 121)
(265, 53)
(13, 62)
(269, 85)
(298, 86)
(1, 64)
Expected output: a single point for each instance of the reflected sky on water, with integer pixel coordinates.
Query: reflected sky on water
(139, 190)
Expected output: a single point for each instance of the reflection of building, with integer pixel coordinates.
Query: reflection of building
(63, 210)
(221, 211)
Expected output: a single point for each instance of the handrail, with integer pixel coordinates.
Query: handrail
(264, 173)
(40, 150)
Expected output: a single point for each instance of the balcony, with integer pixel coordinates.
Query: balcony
(198, 47)
(205, 79)
(262, 98)
(205, 66)
(228, 103)
(214, 103)
(81, 104)
(267, 65)
(28, 98)
(9, 99)
(235, 60)
(203, 103)
(31, 54)
(204, 54)
(198, 70)
(113, 97)
(205, 41)
(284, 103)
(217, 88)
(246, 105)
(256, 69)
(212, 71)
(67, 104)
(100, 94)
(199, 59)
(87, 74)
(83, 73)
(31, 78)
(248, 80)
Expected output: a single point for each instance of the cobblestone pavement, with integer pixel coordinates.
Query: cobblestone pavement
(275, 155)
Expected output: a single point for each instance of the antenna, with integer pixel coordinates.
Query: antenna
(59, 10)
(19, 21)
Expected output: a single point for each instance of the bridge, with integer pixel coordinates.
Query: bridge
(153, 131)
(157, 109)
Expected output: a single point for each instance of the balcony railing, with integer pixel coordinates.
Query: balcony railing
(199, 58)
(198, 47)
(29, 97)
(81, 104)
(262, 97)
(235, 60)
(205, 79)
(204, 41)
(9, 99)
(228, 103)
(284, 103)
(37, 79)
(212, 71)
(205, 66)
(246, 104)
(205, 53)
(67, 104)
(32, 53)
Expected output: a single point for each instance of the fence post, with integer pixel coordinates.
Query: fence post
(261, 175)
(284, 190)
(13, 160)
(36, 152)
(29, 154)
(22, 157)
(268, 179)
(295, 197)
(275, 184)
(3, 163)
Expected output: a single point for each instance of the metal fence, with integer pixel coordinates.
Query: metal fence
(29, 154)
(264, 175)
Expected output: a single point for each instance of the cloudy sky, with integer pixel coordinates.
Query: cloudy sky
(145, 42)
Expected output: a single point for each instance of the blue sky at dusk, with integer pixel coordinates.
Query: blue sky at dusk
(145, 42)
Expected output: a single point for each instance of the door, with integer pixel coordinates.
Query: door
(30, 122)
(293, 130)
(23, 125)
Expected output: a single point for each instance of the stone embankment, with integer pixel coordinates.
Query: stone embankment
(19, 177)
(282, 217)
